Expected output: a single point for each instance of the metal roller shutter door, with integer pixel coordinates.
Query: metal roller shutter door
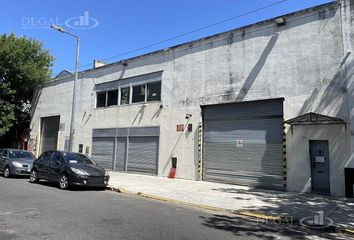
(102, 151)
(142, 154)
(49, 133)
(257, 160)
(121, 153)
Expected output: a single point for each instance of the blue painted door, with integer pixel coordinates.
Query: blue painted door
(319, 156)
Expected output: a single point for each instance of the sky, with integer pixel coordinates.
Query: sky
(108, 28)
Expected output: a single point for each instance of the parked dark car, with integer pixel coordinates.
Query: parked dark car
(68, 169)
(15, 162)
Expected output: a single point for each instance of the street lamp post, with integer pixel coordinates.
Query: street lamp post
(73, 107)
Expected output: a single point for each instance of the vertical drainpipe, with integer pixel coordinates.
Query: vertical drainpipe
(37, 143)
(284, 157)
(39, 138)
(200, 137)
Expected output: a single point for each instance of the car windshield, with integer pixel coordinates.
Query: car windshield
(21, 154)
(77, 158)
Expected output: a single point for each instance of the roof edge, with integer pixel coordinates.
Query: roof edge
(264, 22)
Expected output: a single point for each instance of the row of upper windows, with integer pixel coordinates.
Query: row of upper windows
(126, 95)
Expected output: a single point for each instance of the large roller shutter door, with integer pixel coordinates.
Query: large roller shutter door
(102, 151)
(243, 143)
(142, 154)
(49, 133)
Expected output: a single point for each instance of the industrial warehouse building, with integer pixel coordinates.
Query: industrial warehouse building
(266, 105)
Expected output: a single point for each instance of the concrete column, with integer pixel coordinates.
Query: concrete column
(347, 16)
(346, 10)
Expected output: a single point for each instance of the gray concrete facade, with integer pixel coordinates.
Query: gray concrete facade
(307, 61)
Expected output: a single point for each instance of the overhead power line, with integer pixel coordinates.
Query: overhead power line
(188, 33)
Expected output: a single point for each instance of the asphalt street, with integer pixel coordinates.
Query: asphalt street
(42, 211)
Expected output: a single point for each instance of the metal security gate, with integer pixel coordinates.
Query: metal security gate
(243, 143)
(127, 149)
(49, 133)
(102, 151)
(142, 155)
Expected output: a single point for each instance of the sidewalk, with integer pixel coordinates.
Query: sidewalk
(237, 198)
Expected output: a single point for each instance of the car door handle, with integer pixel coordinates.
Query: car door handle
(320, 171)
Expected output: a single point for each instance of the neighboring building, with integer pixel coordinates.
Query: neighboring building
(267, 105)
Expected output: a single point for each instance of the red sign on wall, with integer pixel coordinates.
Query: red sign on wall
(180, 127)
(239, 143)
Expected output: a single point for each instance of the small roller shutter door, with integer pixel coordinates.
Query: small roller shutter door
(243, 143)
(143, 153)
(102, 151)
(121, 153)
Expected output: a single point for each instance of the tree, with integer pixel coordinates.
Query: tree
(7, 114)
(24, 66)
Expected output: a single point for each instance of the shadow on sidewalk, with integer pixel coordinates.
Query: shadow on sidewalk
(298, 205)
(263, 230)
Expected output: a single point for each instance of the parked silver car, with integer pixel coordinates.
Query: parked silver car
(15, 162)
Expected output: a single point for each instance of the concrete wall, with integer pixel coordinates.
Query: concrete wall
(299, 166)
(299, 61)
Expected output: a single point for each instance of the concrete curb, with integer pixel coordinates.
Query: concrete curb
(182, 203)
(115, 189)
(278, 219)
(170, 200)
(348, 231)
(253, 215)
(202, 206)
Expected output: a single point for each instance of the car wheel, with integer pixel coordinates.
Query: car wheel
(7, 172)
(34, 176)
(63, 182)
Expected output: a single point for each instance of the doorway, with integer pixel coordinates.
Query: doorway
(49, 133)
(319, 158)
